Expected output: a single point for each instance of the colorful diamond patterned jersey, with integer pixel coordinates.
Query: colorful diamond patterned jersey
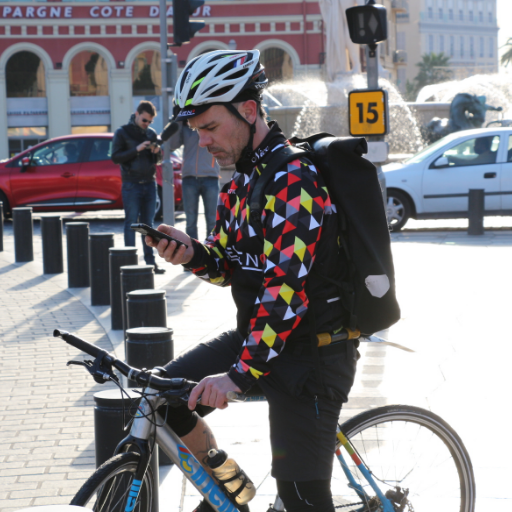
(268, 281)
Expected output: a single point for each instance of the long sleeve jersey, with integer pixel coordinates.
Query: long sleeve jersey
(268, 281)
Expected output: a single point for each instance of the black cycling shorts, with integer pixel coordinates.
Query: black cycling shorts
(303, 408)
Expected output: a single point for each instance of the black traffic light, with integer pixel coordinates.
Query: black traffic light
(184, 29)
(367, 24)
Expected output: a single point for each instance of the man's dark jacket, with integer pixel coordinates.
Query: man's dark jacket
(135, 165)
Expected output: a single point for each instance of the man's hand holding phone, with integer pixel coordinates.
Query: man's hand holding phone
(177, 254)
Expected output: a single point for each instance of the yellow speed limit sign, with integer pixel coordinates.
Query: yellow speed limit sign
(368, 112)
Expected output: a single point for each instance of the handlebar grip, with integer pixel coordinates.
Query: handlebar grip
(79, 343)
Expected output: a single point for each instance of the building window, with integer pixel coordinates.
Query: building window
(482, 47)
(470, 15)
(491, 48)
(452, 46)
(481, 16)
(278, 64)
(441, 13)
(441, 44)
(24, 76)
(147, 74)
(462, 47)
(88, 75)
(430, 44)
(430, 12)
(450, 14)
(472, 47)
(24, 138)
(461, 15)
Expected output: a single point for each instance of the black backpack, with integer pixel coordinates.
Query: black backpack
(368, 288)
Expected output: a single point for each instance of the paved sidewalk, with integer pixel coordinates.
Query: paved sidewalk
(453, 291)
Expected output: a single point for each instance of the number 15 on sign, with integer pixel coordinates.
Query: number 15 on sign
(368, 112)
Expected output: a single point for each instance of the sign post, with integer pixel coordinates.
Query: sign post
(368, 109)
(169, 73)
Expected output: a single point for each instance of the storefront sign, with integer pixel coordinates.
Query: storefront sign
(90, 110)
(27, 112)
(106, 11)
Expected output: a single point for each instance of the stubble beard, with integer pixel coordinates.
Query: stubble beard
(239, 138)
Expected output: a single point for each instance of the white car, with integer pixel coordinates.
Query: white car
(435, 183)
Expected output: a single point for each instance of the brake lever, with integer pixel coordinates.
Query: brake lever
(98, 372)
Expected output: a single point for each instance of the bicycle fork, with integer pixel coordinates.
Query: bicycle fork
(387, 506)
(142, 431)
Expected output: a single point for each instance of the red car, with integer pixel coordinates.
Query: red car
(72, 173)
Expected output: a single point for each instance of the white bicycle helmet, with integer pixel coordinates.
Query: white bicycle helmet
(218, 78)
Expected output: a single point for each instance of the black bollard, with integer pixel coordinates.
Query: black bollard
(1, 226)
(476, 209)
(146, 308)
(51, 235)
(147, 347)
(23, 234)
(99, 245)
(109, 430)
(135, 277)
(77, 234)
(118, 257)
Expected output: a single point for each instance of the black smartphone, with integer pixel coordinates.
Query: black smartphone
(144, 229)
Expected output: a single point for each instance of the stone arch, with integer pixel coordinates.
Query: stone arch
(91, 47)
(282, 45)
(26, 47)
(139, 48)
(206, 45)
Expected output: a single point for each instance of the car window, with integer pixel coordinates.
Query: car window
(57, 153)
(100, 150)
(509, 154)
(429, 150)
(477, 151)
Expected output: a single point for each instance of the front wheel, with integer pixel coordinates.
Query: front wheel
(398, 209)
(410, 452)
(108, 487)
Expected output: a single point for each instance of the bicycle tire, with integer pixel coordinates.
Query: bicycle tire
(413, 449)
(107, 487)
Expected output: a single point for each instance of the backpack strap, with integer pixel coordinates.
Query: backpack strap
(257, 197)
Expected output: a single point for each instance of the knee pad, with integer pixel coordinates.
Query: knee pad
(312, 496)
(181, 419)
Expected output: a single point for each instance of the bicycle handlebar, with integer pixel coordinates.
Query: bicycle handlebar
(141, 377)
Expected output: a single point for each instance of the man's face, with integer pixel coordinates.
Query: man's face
(143, 120)
(221, 133)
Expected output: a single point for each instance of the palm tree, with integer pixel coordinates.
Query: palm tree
(434, 69)
(506, 58)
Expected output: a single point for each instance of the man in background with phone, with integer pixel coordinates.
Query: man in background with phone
(135, 148)
(200, 176)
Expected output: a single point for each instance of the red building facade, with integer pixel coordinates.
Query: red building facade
(69, 66)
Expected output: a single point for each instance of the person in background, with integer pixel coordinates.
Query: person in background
(136, 149)
(200, 176)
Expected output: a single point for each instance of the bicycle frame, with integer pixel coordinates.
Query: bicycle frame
(143, 431)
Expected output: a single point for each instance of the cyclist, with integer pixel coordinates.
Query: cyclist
(281, 299)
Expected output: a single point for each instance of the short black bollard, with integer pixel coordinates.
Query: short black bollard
(109, 430)
(147, 347)
(23, 229)
(146, 308)
(118, 257)
(1, 226)
(77, 234)
(99, 245)
(135, 277)
(51, 235)
(476, 209)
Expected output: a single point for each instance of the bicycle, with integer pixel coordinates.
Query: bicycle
(400, 458)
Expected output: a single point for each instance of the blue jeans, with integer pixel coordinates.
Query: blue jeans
(208, 189)
(139, 200)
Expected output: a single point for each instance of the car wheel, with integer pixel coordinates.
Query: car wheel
(159, 207)
(398, 209)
